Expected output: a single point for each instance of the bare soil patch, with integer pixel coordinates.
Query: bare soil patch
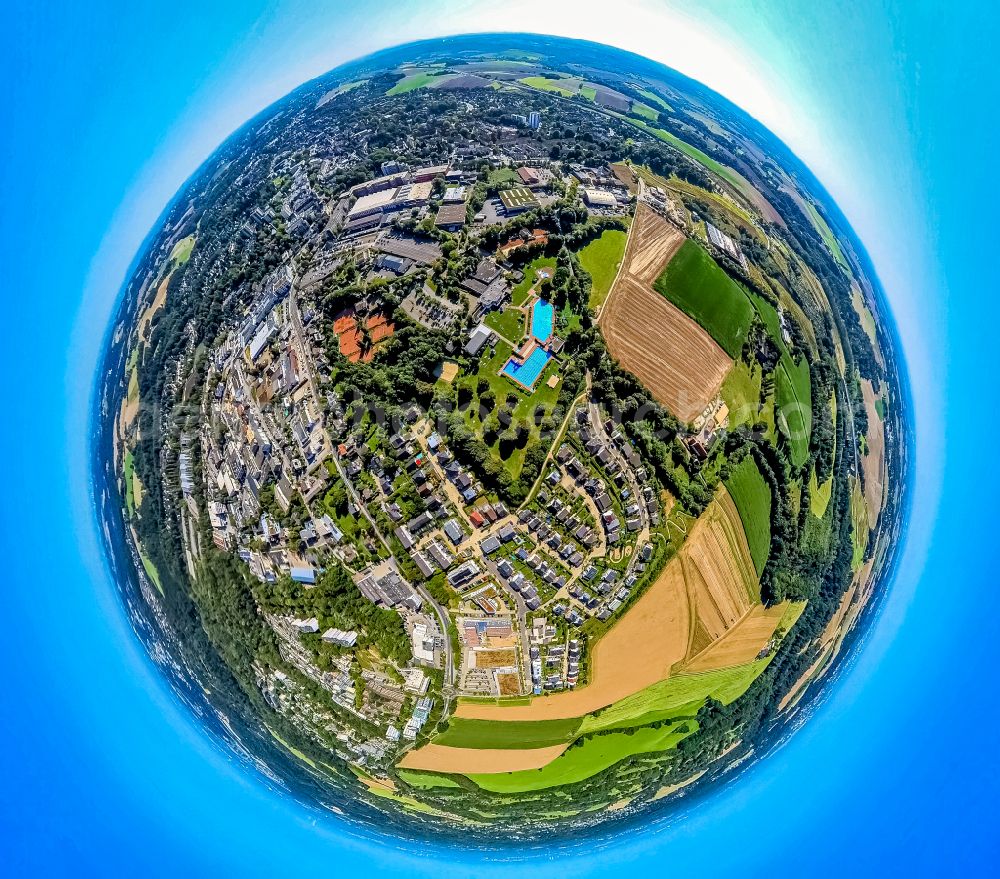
(441, 758)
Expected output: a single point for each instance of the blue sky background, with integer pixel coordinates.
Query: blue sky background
(110, 106)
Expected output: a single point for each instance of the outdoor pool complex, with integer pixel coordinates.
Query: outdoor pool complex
(542, 320)
(527, 373)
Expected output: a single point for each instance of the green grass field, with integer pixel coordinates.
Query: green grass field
(426, 780)
(565, 87)
(645, 111)
(128, 469)
(182, 250)
(414, 81)
(859, 523)
(678, 696)
(513, 734)
(741, 393)
(695, 284)
(509, 323)
(347, 87)
(752, 496)
(826, 233)
(654, 98)
(150, 569)
(591, 756)
(501, 176)
(792, 396)
(601, 258)
(520, 291)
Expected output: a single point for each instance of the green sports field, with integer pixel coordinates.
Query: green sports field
(696, 285)
(752, 496)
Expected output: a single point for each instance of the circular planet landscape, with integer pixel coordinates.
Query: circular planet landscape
(501, 437)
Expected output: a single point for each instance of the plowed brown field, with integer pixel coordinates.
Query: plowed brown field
(442, 758)
(673, 356)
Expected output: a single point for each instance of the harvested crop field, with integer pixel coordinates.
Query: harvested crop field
(718, 572)
(747, 638)
(713, 572)
(669, 352)
(441, 758)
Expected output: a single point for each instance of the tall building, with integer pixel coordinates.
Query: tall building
(534, 119)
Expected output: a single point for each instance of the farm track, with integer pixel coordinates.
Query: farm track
(669, 352)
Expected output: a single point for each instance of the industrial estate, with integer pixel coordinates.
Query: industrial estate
(507, 439)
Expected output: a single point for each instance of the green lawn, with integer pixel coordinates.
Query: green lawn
(347, 87)
(859, 523)
(512, 734)
(725, 172)
(520, 291)
(586, 759)
(695, 284)
(792, 395)
(589, 92)
(509, 323)
(500, 176)
(752, 496)
(601, 258)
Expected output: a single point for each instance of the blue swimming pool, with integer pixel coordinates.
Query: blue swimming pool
(527, 373)
(543, 317)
